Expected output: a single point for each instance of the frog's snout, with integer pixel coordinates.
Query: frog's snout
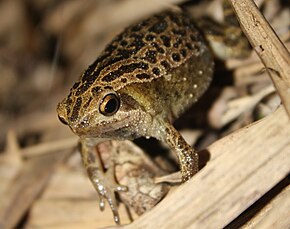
(61, 113)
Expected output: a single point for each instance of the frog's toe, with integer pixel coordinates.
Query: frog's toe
(111, 198)
(121, 188)
(101, 203)
(106, 186)
(106, 190)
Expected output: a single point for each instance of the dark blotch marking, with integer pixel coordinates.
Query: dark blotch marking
(183, 52)
(76, 109)
(156, 71)
(176, 57)
(110, 77)
(68, 104)
(179, 32)
(110, 61)
(158, 48)
(175, 19)
(150, 37)
(88, 102)
(124, 80)
(145, 22)
(128, 44)
(143, 76)
(189, 46)
(123, 42)
(159, 27)
(137, 27)
(187, 22)
(151, 56)
(125, 53)
(89, 79)
(165, 64)
(166, 40)
(177, 43)
(231, 20)
(75, 86)
(83, 88)
(89, 76)
(180, 142)
(110, 48)
(108, 88)
(138, 42)
(124, 69)
(95, 90)
(215, 28)
(194, 38)
(69, 101)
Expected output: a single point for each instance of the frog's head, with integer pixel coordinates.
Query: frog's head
(101, 112)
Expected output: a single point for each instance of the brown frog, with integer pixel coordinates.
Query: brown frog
(143, 80)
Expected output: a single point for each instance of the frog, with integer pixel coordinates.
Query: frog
(145, 78)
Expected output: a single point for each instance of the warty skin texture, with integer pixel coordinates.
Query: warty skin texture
(156, 69)
(143, 80)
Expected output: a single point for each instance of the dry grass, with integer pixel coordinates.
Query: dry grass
(245, 159)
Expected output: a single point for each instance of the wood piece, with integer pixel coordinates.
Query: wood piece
(231, 182)
(10, 161)
(63, 214)
(235, 107)
(27, 185)
(268, 46)
(70, 201)
(48, 147)
(267, 217)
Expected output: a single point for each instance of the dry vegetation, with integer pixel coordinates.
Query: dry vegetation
(239, 126)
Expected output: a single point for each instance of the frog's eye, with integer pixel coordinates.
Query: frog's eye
(110, 104)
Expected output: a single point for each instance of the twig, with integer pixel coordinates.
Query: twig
(12, 149)
(48, 147)
(233, 109)
(29, 182)
(267, 217)
(268, 46)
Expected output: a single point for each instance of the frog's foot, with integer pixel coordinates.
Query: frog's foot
(106, 187)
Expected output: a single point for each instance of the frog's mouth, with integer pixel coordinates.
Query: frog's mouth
(115, 129)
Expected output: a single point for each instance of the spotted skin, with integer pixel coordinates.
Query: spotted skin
(153, 71)
(142, 53)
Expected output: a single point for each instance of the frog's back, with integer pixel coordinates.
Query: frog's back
(166, 50)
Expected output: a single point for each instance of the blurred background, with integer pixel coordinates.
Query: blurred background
(45, 45)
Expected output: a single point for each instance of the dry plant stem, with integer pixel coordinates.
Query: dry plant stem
(267, 217)
(233, 109)
(48, 147)
(27, 185)
(118, 14)
(232, 182)
(239, 106)
(12, 149)
(268, 46)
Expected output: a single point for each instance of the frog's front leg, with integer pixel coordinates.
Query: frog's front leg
(187, 156)
(104, 182)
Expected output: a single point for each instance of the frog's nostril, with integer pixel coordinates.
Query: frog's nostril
(62, 120)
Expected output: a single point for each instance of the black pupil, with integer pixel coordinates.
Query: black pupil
(111, 106)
